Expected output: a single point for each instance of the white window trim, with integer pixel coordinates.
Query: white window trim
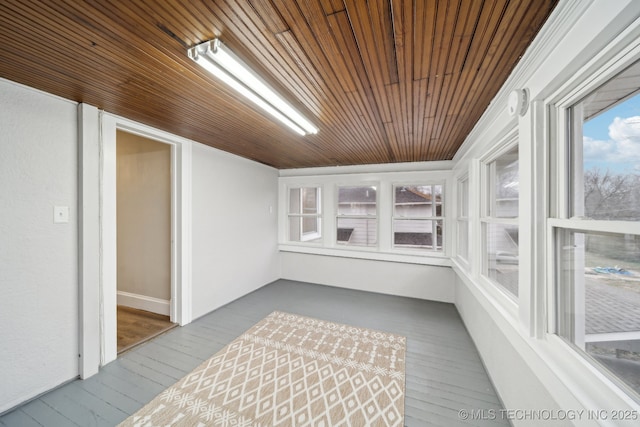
(497, 291)
(383, 180)
(306, 238)
(461, 220)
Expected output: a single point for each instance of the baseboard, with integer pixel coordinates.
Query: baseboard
(142, 302)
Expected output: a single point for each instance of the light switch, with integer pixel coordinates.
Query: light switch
(60, 214)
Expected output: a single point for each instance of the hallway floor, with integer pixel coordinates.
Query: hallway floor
(137, 326)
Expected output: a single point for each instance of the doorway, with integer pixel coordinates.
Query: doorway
(104, 296)
(143, 235)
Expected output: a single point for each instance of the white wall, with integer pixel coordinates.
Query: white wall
(38, 259)
(235, 227)
(395, 278)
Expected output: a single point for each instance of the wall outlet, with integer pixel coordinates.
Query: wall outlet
(60, 214)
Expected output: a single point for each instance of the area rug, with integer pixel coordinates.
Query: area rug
(290, 370)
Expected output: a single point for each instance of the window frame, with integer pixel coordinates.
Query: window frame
(306, 238)
(487, 171)
(463, 254)
(561, 219)
(382, 177)
(434, 218)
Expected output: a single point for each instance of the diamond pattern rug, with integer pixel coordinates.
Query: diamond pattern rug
(289, 370)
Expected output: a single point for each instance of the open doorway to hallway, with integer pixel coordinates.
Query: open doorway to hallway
(143, 224)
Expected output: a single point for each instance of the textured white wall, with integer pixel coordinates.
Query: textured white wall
(235, 227)
(38, 259)
(395, 278)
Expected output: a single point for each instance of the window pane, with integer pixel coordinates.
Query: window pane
(607, 150)
(294, 200)
(504, 185)
(310, 225)
(437, 197)
(357, 231)
(463, 239)
(304, 229)
(502, 255)
(413, 201)
(310, 200)
(417, 233)
(357, 200)
(417, 201)
(463, 210)
(599, 299)
(304, 200)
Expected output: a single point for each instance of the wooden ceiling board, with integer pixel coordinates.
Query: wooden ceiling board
(384, 80)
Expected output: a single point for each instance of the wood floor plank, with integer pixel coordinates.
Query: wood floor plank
(444, 372)
(135, 386)
(145, 384)
(46, 415)
(108, 403)
(158, 377)
(19, 418)
(95, 402)
(157, 365)
(76, 412)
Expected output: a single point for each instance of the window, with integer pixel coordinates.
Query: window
(500, 221)
(598, 248)
(418, 217)
(356, 222)
(304, 215)
(462, 219)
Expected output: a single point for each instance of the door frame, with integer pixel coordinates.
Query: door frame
(180, 306)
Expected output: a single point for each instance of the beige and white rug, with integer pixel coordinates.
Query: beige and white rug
(289, 370)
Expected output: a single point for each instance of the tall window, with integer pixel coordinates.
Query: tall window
(304, 214)
(598, 248)
(500, 221)
(357, 223)
(418, 217)
(462, 219)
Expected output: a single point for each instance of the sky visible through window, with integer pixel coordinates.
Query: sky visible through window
(612, 139)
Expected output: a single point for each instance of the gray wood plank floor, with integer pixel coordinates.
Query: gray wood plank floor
(444, 373)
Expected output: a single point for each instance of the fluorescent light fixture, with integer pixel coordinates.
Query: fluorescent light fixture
(216, 58)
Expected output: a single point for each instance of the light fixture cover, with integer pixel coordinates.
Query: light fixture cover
(216, 58)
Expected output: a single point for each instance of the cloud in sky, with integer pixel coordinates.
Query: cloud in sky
(623, 145)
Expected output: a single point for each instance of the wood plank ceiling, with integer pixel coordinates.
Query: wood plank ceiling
(384, 80)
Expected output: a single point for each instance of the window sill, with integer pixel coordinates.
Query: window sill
(430, 258)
